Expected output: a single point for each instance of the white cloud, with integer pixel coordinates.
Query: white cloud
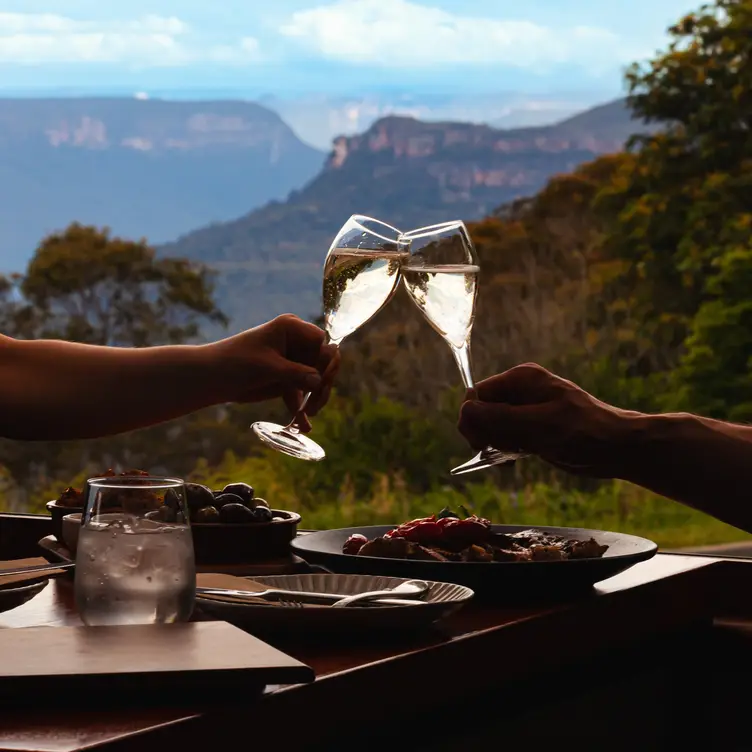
(403, 33)
(38, 38)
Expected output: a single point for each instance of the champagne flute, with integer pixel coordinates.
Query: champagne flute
(361, 274)
(441, 276)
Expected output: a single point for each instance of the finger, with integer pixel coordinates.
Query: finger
(292, 398)
(321, 396)
(506, 427)
(320, 401)
(525, 384)
(291, 374)
(303, 341)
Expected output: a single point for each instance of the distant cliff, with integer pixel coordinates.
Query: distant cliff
(404, 171)
(144, 167)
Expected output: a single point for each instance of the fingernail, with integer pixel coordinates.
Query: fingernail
(312, 381)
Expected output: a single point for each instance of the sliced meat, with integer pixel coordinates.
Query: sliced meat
(539, 552)
(476, 553)
(589, 549)
(515, 553)
(424, 554)
(389, 548)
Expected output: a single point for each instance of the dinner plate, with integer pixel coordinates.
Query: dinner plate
(495, 580)
(441, 600)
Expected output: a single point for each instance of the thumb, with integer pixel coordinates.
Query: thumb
(297, 375)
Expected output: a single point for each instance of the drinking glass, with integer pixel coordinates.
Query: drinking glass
(134, 557)
(441, 276)
(361, 274)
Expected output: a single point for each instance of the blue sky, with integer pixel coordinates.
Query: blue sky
(328, 45)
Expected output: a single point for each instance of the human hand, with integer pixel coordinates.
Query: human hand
(286, 357)
(528, 409)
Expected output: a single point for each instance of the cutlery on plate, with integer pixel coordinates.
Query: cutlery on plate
(279, 596)
(34, 568)
(410, 589)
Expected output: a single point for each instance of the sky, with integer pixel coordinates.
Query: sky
(328, 46)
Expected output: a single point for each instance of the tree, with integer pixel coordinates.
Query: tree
(683, 209)
(86, 286)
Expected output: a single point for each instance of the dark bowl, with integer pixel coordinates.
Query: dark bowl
(57, 513)
(240, 543)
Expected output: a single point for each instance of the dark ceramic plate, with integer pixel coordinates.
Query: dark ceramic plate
(497, 580)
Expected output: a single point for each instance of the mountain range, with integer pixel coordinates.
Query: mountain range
(144, 167)
(404, 171)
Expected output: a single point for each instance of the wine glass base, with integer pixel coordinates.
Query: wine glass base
(484, 459)
(288, 441)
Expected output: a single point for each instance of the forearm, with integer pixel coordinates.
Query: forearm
(51, 390)
(703, 463)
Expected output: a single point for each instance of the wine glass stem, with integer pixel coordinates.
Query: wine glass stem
(291, 427)
(462, 356)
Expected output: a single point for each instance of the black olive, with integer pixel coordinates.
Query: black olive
(262, 514)
(207, 514)
(228, 498)
(198, 496)
(243, 490)
(235, 513)
(260, 503)
(163, 514)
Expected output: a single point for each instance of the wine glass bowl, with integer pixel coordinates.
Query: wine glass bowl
(361, 274)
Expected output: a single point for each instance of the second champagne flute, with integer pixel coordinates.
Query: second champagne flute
(361, 274)
(441, 275)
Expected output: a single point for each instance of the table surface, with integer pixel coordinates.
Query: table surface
(665, 593)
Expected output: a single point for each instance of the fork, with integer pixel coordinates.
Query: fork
(301, 596)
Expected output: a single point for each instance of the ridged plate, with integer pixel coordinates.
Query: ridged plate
(441, 600)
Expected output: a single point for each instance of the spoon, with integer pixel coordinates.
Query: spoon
(409, 589)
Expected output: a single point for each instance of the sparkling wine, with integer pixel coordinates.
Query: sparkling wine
(446, 296)
(356, 286)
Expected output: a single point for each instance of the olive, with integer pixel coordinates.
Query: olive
(262, 514)
(207, 514)
(260, 503)
(243, 490)
(227, 498)
(235, 513)
(198, 496)
(163, 514)
(172, 498)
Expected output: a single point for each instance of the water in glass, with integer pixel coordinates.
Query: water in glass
(135, 563)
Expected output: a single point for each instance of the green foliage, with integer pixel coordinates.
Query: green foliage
(86, 286)
(682, 212)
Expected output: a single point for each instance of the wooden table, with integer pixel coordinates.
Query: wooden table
(614, 647)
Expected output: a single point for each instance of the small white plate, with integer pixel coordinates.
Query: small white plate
(441, 600)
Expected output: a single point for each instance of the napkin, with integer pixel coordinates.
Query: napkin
(17, 580)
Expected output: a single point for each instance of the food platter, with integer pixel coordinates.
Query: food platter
(497, 579)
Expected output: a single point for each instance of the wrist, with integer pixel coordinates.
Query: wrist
(643, 439)
(214, 372)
